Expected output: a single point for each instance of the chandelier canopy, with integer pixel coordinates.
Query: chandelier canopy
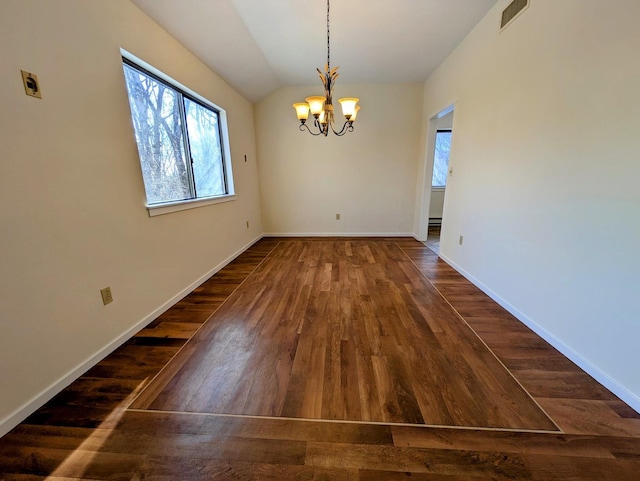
(321, 108)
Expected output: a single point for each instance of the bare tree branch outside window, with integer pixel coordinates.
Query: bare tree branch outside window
(178, 140)
(441, 158)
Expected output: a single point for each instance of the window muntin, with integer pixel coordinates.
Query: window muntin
(441, 158)
(179, 140)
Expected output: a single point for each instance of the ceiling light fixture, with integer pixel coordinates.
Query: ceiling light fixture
(322, 107)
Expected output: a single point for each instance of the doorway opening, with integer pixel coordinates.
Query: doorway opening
(442, 129)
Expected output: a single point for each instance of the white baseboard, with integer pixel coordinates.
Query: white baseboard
(28, 408)
(338, 234)
(595, 372)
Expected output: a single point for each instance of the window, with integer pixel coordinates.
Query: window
(441, 158)
(180, 140)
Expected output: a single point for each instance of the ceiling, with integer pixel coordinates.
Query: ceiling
(258, 46)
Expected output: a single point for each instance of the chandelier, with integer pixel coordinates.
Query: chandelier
(322, 107)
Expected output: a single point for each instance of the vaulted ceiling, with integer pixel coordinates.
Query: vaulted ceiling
(258, 46)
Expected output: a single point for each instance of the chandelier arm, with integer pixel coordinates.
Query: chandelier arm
(304, 126)
(347, 127)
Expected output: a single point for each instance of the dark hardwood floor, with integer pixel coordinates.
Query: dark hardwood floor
(331, 359)
(343, 330)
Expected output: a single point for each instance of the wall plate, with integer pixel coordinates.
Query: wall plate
(31, 85)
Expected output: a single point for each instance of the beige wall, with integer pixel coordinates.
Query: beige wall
(436, 205)
(72, 211)
(546, 170)
(367, 176)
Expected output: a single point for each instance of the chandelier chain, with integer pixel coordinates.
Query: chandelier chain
(328, 43)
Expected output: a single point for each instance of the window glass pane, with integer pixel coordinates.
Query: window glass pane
(441, 159)
(156, 120)
(206, 154)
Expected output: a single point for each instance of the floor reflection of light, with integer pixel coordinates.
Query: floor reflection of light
(77, 463)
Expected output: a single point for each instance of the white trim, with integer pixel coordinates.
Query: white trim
(31, 406)
(338, 234)
(344, 421)
(168, 207)
(425, 169)
(594, 371)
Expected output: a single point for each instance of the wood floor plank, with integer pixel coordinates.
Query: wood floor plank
(177, 330)
(587, 416)
(417, 460)
(197, 469)
(508, 441)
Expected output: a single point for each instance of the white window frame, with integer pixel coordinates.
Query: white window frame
(179, 205)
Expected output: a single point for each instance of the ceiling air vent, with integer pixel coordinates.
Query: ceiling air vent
(510, 13)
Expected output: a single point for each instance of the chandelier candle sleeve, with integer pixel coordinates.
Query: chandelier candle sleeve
(348, 107)
(355, 113)
(316, 105)
(321, 107)
(302, 109)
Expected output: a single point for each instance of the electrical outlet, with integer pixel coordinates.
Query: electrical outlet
(107, 298)
(337, 216)
(461, 240)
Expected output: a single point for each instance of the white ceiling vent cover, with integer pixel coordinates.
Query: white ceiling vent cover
(510, 13)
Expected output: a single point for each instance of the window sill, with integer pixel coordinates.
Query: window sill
(169, 207)
(438, 189)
